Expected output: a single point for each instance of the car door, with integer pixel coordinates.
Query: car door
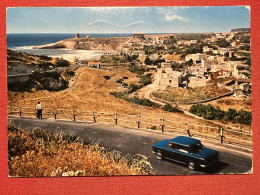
(173, 152)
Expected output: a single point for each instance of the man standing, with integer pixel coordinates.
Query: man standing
(39, 110)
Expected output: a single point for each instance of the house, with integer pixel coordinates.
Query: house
(197, 81)
(138, 35)
(195, 57)
(221, 74)
(169, 78)
(110, 53)
(193, 41)
(94, 65)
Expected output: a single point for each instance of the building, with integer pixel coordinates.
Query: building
(197, 81)
(138, 35)
(94, 65)
(77, 35)
(110, 53)
(195, 57)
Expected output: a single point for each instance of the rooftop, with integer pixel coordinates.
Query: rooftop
(187, 141)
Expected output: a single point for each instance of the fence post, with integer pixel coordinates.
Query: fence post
(74, 116)
(93, 113)
(187, 129)
(138, 122)
(116, 118)
(221, 135)
(20, 111)
(162, 125)
(55, 114)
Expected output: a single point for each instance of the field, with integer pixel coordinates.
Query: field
(190, 95)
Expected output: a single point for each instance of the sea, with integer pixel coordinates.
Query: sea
(26, 42)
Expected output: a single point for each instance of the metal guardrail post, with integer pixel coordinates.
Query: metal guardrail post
(221, 135)
(55, 114)
(162, 125)
(116, 118)
(187, 129)
(20, 111)
(93, 114)
(138, 122)
(74, 116)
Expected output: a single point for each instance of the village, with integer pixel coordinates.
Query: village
(181, 62)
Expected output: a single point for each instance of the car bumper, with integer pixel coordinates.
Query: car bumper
(209, 164)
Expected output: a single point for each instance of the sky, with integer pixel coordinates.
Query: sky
(127, 19)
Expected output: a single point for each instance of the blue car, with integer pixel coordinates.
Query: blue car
(186, 150)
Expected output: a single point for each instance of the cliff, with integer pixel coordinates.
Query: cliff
(100, 43)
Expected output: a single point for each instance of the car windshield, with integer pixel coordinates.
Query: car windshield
(196, 147)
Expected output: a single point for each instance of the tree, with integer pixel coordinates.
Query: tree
(147, 61)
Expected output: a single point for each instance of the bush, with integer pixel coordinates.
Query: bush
(146, 79)
(107, 77)
(125, 77)
(211, 113)
(45, 154)
(119, 81)
(62, 63)
(170, 108)
(133, 88)
(124, 85)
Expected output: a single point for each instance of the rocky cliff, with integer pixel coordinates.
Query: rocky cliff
(100, 43)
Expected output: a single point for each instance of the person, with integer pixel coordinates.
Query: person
(39, 110)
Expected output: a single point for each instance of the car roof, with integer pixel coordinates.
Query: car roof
(183, 140)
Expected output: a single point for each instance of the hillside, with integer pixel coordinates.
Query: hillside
(91, 92)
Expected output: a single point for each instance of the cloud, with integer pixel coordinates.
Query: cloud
(170, 17)
(102, 22)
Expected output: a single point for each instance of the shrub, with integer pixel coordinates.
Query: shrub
(124, 84)
(62, 63)
(211, 113)
(170, 108)
(133, 88)
(107, 77)
(44, 154)
(119, 81)
(125, 77)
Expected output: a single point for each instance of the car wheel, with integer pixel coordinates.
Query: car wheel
(191, 166)
(159, 155)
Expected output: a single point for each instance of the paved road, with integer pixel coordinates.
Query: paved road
(134, 141)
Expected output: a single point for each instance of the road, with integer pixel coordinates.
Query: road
(133, 141)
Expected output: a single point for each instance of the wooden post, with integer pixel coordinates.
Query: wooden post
(187, 129)
(74, 116)
(162, 125)
(55, 114)
(221, 135)
(93, 114)
(116, 118)
(138, 122)
(20, 111)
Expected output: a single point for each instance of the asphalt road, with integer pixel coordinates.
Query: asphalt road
(133, 141)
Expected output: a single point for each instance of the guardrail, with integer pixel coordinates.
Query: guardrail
(229, 136)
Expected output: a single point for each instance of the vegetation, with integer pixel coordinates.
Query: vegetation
(133, 88)
(137, 70)
(211, 113)
(135, 100)
(62, 63)
(222, 43)
(45, 154)
(107, 77)
(170, 108)
(146, 79)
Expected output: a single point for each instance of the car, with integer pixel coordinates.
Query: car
(186, 150)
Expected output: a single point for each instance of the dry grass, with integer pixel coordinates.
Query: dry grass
(190, 95)
(42, 154)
